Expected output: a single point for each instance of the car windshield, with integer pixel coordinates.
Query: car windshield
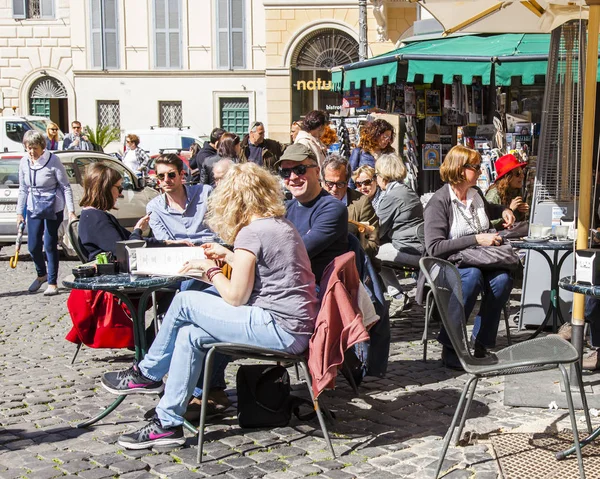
(9, 173)
(42, 125)
(186, 142)
(15, 130)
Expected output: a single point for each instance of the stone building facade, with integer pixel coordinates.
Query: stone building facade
(201, 63)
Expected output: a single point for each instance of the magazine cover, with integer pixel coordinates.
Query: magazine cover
(410, 100)
(432, 129)
(432, 156)
(433, 106)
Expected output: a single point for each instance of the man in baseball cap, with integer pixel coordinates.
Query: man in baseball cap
(321, 219)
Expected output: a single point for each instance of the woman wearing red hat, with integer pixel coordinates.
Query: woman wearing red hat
(506, 190)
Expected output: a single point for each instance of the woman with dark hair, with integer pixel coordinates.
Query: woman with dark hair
(313, 126)
(506, 190)
(98, 230)
(376, 138)
(135, 157)
(228, 148)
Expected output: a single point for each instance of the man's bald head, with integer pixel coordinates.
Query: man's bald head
(220, 169)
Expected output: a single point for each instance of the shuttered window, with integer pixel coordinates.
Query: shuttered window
(231, 34)
(105, 34)
(42, 9)
(167, 33)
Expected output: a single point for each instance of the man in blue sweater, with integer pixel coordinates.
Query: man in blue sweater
(321, 219)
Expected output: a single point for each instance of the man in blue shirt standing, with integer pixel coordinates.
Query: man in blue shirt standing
(178, 214)
(321, 219)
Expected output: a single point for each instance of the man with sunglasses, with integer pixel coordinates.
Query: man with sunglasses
(75, 140)
(336, 174)
(321, 220)
(258, 149)
(178, 214)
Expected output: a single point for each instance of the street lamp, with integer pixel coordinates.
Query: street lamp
(362, 30)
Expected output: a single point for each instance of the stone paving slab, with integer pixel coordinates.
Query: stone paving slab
(392, 430)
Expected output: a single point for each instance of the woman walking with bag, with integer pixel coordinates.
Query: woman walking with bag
(44, 191)
(457, 217)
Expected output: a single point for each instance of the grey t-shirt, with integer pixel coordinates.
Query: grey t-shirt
(284, 284)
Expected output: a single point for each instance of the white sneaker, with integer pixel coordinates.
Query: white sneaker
(51, 290)
(37, 284)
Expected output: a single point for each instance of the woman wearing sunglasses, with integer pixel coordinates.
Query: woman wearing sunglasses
(507, 189)
(98, 230)
(365, 181)
(52, 137)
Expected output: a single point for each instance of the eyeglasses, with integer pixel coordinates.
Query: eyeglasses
(338, 184)
(171, 174)
(518, 172)
(53, 129)
(120, 188)
(76, 128)
(298, 170)
(364, 183)
(386, 137)
(473, 167)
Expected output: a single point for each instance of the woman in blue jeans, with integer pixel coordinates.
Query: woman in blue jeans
(457, 217)
(270, 301)
(43, 181)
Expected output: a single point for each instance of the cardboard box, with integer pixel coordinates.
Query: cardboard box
(587, 266)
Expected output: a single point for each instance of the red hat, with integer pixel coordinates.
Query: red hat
(506, 164)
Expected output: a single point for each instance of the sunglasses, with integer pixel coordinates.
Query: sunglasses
(473, 167)
(171, 174)
(298, 170)
(338, 184)
(53, 129)
(120, 188)
(364, 183)
(77, 128)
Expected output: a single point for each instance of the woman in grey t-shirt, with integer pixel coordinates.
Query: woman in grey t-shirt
(270, 301)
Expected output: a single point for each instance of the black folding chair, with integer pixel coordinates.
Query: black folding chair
(537, 354)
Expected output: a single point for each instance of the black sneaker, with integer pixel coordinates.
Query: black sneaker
(131, 381)
(153, 434)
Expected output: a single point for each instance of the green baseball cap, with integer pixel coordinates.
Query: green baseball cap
(297, 152)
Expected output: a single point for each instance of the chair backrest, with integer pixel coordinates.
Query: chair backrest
(73, 232)
(444, 280)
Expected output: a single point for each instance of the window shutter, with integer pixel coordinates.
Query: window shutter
(111, 39)
(19, 8)
(223, 34)
(237, 34)
(96, 31)
(47, 9)
(167, 28)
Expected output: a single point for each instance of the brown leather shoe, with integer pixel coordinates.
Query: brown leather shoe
(565, 331)
(217, 403)
(590, 362)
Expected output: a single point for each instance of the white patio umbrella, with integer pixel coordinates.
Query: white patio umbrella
(508, 16)
(539, 16)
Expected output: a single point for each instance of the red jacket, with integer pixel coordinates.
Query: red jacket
(339, 323)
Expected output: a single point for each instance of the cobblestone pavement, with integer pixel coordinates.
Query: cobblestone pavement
(393, 429)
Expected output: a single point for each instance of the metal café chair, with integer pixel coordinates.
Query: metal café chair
(537, 354)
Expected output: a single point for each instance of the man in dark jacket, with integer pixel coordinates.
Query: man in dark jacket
(208, 149)
(260, 150)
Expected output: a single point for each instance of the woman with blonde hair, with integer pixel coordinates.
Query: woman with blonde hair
(270, 301)
(400, 213)
(365, 181)
(458, 217)
(52, 136)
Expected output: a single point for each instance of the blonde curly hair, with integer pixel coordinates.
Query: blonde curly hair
(247, 190)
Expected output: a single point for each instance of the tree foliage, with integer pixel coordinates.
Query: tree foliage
(103, 135)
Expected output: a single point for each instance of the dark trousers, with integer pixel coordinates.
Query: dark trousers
(44, 233)
(592, 315)
(495, 287)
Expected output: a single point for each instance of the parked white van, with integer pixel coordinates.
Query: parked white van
(156, 138)
(12, 129)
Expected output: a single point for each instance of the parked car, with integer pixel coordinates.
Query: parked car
(13, 128)
(154, 139)
(132, 204)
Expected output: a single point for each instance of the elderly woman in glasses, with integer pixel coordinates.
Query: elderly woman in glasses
(99, 230)
(507, 189)
(458, 217)
(365, 181)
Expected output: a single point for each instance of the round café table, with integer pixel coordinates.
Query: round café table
(127, 288)
(555, 264)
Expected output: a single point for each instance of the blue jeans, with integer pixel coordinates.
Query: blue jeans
(495, 287)
(194, 321)
(44, 233)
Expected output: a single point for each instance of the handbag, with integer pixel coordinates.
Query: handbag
(43, 206)
(264, 398)
(487, 258)
(99, 320)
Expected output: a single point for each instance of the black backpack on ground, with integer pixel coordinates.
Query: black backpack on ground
(265, 399)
